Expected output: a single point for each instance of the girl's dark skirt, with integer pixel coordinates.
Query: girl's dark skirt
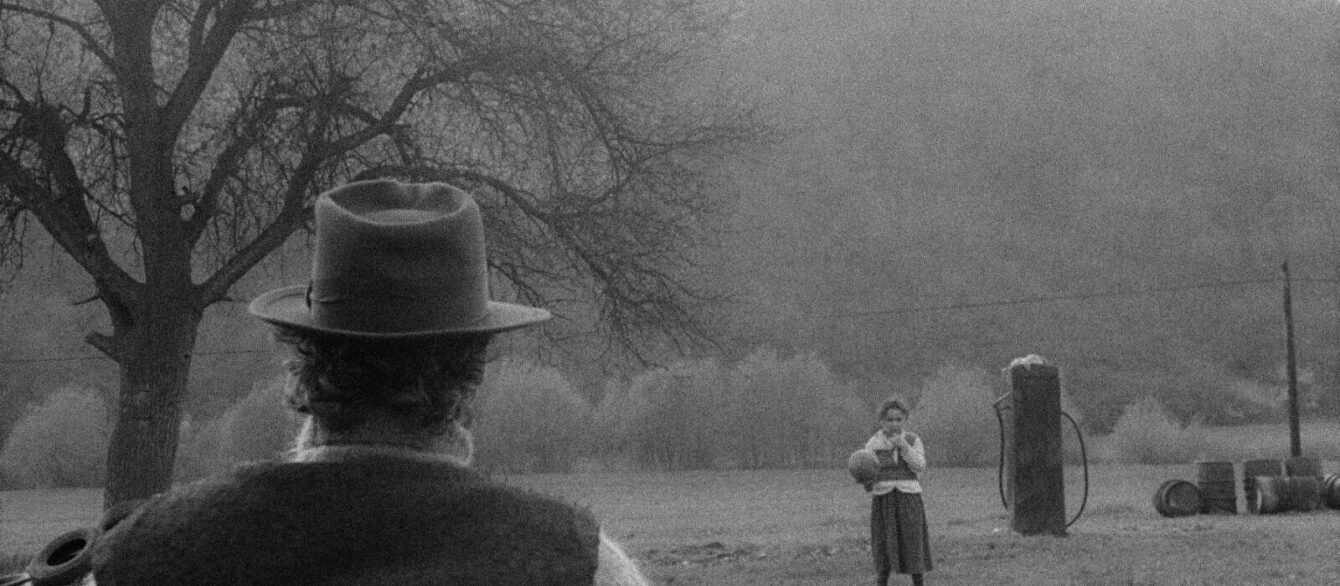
(898, 536)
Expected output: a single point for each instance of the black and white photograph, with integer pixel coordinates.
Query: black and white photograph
(669, 292)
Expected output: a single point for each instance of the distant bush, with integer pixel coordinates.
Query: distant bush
(763, 412)
(954, 416)
(665, 419)
(61, 442)
(1189, 388)
(258, 427)
(792, 412)
(619, 415)
(614, 420)
(529, 419)
(1146, 433)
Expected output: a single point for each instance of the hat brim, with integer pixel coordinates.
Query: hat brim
(287, 306)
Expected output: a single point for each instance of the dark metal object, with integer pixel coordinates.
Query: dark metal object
(1177, 498)
(1035, 474)
(63, 562)
(1295, 438)
(1000, 461)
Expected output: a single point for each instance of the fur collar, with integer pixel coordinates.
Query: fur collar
(348, 452)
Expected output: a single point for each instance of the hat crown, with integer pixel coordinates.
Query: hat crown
(397, 259)
(394, 257)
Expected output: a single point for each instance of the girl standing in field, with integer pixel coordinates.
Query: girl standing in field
(899, 539)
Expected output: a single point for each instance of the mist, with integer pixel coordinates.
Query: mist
(1112, 185)
(1091, 181)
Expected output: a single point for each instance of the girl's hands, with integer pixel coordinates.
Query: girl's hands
(899, 442)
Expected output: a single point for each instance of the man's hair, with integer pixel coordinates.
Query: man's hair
(428, 382)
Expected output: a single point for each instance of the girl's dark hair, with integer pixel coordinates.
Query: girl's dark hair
(892, 403)
(430, 382)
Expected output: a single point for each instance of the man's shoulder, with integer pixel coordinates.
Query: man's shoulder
(421, 493)
(386, 483)
(345, 512)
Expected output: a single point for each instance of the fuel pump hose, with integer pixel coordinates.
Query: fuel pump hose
(1000, 461)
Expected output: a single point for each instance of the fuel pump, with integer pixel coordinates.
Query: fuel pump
(1031, 475)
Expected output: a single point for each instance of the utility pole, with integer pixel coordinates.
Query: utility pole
(1291, 362)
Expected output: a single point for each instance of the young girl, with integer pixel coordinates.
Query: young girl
(898, 536)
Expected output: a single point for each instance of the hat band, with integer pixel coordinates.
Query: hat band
(390, 306)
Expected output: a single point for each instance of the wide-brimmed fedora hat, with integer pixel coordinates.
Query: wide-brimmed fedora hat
(396, 260)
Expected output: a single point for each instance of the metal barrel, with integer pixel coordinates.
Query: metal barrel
(1177, 498)
(1279, 494)
(1274, 495)
(1250, 470)
(1330, 491)
(1302, 466)
(1218, 487)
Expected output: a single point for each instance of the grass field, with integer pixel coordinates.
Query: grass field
(809, 527)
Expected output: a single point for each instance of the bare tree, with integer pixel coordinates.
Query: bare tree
(169, 145)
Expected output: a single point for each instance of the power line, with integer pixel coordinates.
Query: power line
(898, 311)
(1064, 297)
(85, 357)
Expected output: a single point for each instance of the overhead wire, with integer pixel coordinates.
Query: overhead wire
(1129, 292)
(1061, 297)
(75, 358)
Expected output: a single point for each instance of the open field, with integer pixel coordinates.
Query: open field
(809, 527)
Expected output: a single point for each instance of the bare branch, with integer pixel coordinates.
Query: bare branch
(201, 62)
(390, 118)
(283, 9)
(215, 288)
(252, 125)
(58, 201)
(84, 246)
(294, 214)
(195, 36)
(76, 27)
(294, 211)
(634, 295)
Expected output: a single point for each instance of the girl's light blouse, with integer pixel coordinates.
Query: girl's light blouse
(915, 457)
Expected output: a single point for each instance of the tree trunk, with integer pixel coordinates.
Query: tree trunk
(154, 365)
